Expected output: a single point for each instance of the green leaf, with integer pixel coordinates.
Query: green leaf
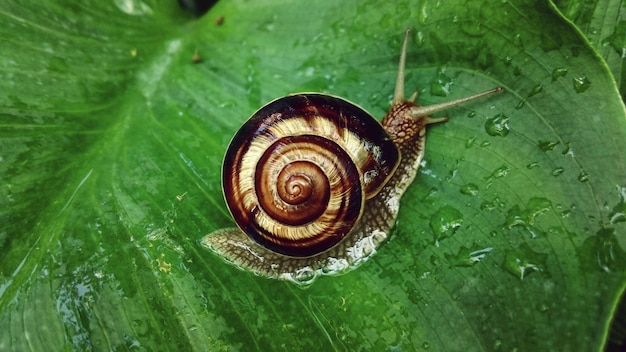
(603, 22)
(112, 134)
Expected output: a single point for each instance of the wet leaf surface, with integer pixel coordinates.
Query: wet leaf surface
(115, 116)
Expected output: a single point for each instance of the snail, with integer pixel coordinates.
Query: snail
(314, 182)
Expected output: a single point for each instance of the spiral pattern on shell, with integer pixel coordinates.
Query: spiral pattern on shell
(297, 174)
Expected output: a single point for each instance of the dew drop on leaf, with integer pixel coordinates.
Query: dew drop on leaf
(603, 252)
(419, 39)
(470, 142)
(497, 125)
(487, 205)
(445, 221)
(133, 7)
(467, 257)
(581, 83)
(583, 176)
(522, 261)
(469, 189)
(545, 146)
(536, 90)
(517, 40)
(558, 72)
(617, 40)
(557, 171)
(473, 29)
(538, 205)
(440, 85)
(618, 213)
(525, 218)
(498, 173)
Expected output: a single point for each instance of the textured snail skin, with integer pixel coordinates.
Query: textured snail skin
(405, 126)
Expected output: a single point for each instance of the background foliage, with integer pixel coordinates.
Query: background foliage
(112, 133)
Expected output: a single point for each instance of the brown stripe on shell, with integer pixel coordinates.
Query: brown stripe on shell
(329, 121)
(341, 120)
(311, 225)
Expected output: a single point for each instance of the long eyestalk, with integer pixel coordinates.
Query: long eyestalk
(421, 111)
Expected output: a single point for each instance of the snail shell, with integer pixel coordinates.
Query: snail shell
(299, 171)
(314, 182)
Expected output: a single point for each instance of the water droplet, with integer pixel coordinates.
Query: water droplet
(425, 345)
(469, 189)
(522, 261)
(618, 213)
(616, 40)
(546, 145)
(543, 308)
(520, 104)
(581, 83)
(453, 171)
(497, 344)
(557, 171)
(467, 257)
(492, 204)
(440, 85)
(558, 72)
(517, 40)
(603, 251)
(517, 71)
(485, 144)
(487, 206)
(470, 142)
(445, 221)
(583, 176)
(550, 40)
(538, 205)
(532, 165)
(498, 173)
(536, 90)
(497, 125)
(473, 28)
(567, 149)
(471, 114)
(526, 217)
(267, 25)
(133, 7)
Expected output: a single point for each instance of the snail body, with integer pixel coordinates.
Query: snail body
(314, 182)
